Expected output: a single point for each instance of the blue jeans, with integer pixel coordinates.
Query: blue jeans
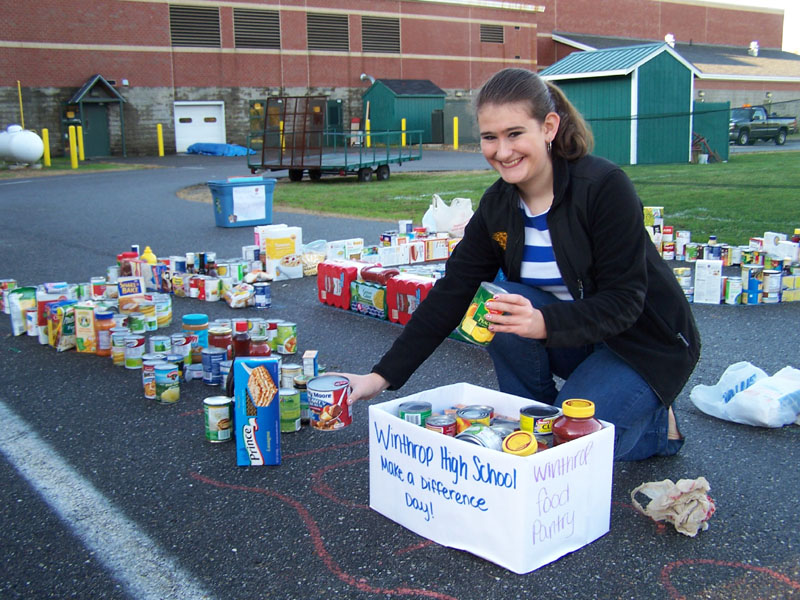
(525, 368)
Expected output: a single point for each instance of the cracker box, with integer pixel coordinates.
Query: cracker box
(518, 512)
(85, 335)
(257, 422)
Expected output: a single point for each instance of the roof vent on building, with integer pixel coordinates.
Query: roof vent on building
(753, 49)
(670, 39)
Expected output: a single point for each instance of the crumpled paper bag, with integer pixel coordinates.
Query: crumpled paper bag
(685, 504)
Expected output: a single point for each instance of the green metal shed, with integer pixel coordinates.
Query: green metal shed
(391, 100)
(637, 100)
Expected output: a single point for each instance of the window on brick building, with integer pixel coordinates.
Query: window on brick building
(380, 34)
(194, 26)
(492, 34)
(327, 32)
(256, 28)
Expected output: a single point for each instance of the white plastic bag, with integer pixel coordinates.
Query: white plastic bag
(746, 394)
(685, 504)
(443, 218)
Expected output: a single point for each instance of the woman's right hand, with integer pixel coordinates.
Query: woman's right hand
(365, 387)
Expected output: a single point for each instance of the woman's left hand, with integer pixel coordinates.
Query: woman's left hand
(512, 313)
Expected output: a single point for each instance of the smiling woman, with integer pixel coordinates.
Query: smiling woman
(585, 295)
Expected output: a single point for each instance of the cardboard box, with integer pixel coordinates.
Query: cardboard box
(85, 334)
(518, 512)
(708, 281)
(368, 298)
(257, 425)
(403, 294)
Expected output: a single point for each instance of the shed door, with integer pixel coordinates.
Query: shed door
(199, 122)
(96, 138)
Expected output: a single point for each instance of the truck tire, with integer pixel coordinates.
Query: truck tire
(780, 139)
(295, 174)
(314, 174)
(365, 174)
(744, 137)
(382, 173)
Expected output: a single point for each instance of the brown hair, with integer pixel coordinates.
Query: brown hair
(573, 139)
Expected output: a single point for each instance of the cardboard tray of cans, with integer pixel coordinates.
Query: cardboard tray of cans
(518, 512)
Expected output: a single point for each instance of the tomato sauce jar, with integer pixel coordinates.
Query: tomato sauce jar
(577, 420)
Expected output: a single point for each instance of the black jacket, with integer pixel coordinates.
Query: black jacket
(624, 294)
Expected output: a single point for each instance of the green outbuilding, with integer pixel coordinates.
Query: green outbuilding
(637, 100)
(419, 101)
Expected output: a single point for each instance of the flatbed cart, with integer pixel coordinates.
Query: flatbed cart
(295, 138)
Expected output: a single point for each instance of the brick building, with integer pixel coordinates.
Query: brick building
(165, 56)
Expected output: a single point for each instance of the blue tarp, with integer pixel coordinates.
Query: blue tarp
(218, 149)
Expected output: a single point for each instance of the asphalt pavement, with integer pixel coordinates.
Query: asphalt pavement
(104, 494)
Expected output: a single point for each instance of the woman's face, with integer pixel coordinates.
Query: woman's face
(515, 144)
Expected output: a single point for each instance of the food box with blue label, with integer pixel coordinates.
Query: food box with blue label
(242, 201)
(257, 411)
(518, 512)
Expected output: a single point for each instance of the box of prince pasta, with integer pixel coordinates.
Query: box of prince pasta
(257, 423)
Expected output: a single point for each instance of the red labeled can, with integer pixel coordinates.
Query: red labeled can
(445, 424)
(327, 402)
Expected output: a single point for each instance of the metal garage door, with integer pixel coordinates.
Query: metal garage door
(199, 122)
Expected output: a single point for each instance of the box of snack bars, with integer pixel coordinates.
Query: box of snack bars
(257, 422)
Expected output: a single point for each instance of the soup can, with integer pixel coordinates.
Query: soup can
(136, 322)
(168, 383)
(182, 344)
(211, 289)
(289, 409)
(470, 415)
(118, 347)
(163, 304)
(263, 294)
(212, 357)
(286, 338)
(538, 418)
(218, 415)
(415, 412)
(445, 424)
(288, 372)
(481, 435)
(327, 402)
(98, 287)
(474, 327)
(134, 350)
(148, 309)
(149, 378)
(160, 343)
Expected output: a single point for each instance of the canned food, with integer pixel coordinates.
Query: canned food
(148, 309)
(520, 443)
(415, 412)
(470, 415)
(136, 322)
(289, 410)
(300, 383)
(182, 346)
(118, 346)
(481, 435)
(160, 343)
(168, 385)
(262, 295)
(177, 360)
(538, 418)
(218, 414)
(286, 339)
(211, 288)
(149, 378)
(134, 350)
(474, 327)
(288, 372)
(327, 402)
(212, 357)
(445, 424)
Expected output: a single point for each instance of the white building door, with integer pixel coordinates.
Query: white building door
(202, 121)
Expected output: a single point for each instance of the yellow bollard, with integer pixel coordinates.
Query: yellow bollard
(73, 148)
(283, 140)
(80, 143)
(160, 133)
(369, 141)
(46, 141)
(403, 135)
(455, 133)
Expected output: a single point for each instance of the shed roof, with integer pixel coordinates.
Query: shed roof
(412, 87)
(94, 81)
(608, 61)
(711, 61)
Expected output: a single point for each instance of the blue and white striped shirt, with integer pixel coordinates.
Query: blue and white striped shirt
(539, 268)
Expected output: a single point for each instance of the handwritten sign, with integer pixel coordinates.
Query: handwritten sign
(518, 512)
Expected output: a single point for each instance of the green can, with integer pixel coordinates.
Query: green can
(415, 412)
(286, 339)
(474, 327)
(289, 410)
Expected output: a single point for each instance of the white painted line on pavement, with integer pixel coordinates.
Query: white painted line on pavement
(131, 557)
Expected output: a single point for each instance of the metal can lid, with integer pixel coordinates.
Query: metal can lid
(539, 411)
(415, 407)
(475, 412)
(440, 420)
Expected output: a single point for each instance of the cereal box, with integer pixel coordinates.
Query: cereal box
(257, 411)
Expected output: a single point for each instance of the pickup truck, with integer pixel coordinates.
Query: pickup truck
(751, 123)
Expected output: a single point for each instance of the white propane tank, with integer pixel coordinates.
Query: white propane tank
(20, 145)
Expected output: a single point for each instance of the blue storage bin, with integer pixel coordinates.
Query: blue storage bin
(242, 202)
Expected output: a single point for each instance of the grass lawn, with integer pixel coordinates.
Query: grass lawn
(750, 194)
